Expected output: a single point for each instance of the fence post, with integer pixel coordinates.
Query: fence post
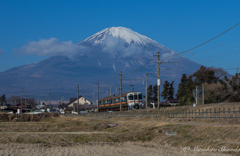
(195, 113)
(224, 113)
(228, 113)
(192, 113)
(233, 112)
(206, 113)
(214, 113)
(202, 113)
(219, 113)
(198, 113)
(210, 112)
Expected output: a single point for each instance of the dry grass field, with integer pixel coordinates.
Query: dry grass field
(100, 149)
(84, 136)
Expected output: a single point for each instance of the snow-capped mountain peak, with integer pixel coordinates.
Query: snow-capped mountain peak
(125, 36)
(119, 32)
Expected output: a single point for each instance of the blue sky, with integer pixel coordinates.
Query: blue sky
(178, 25)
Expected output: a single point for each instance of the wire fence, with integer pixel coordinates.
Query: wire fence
(216, 114)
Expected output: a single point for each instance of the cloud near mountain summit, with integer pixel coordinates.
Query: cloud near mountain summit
(51, 47)
(114, 41)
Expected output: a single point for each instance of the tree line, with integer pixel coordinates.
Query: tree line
(219, 86)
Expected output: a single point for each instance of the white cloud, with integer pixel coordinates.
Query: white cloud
(168, 55)
(1, 51)
(51, 47)
(115, 46)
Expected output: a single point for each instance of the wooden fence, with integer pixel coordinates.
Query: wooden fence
(216, 114)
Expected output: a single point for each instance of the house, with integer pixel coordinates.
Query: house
(84, 104)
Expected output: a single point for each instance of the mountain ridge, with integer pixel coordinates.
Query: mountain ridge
(60, 74)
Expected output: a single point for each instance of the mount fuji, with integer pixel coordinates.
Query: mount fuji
(104, 55)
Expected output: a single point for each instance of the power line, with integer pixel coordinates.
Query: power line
(218, 46)
(203, 42)
(231, 68)
(221, 57)
(219, 54)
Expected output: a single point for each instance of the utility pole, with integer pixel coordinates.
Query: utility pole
(132, 87)
(97, 95)
(77, 99)
(203, 94)
(120, 90)
(49, 100)
(25, 100)
(197, 95)
(94, 100)
(158, 75)
(158, 78)
(21, 100)
(61, 102)
(147, 90)
(110, 90)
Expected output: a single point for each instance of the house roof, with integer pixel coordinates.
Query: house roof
(72, 100)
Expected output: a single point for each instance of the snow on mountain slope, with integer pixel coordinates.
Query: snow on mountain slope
(121, 38)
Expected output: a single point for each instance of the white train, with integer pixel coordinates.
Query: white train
(130, 100)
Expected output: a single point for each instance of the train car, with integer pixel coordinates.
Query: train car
(130, 100)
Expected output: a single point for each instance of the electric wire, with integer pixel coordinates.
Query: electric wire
(218, 54)
(216, 47)
(203, 42)
(221, 57)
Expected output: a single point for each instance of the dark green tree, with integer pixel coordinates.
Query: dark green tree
(205, 75)
(234, 82)
(3, 99)
(155, 93)
(190, 86)
(171, 91)
(150, 93)
(182, 90)
(165, 92)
